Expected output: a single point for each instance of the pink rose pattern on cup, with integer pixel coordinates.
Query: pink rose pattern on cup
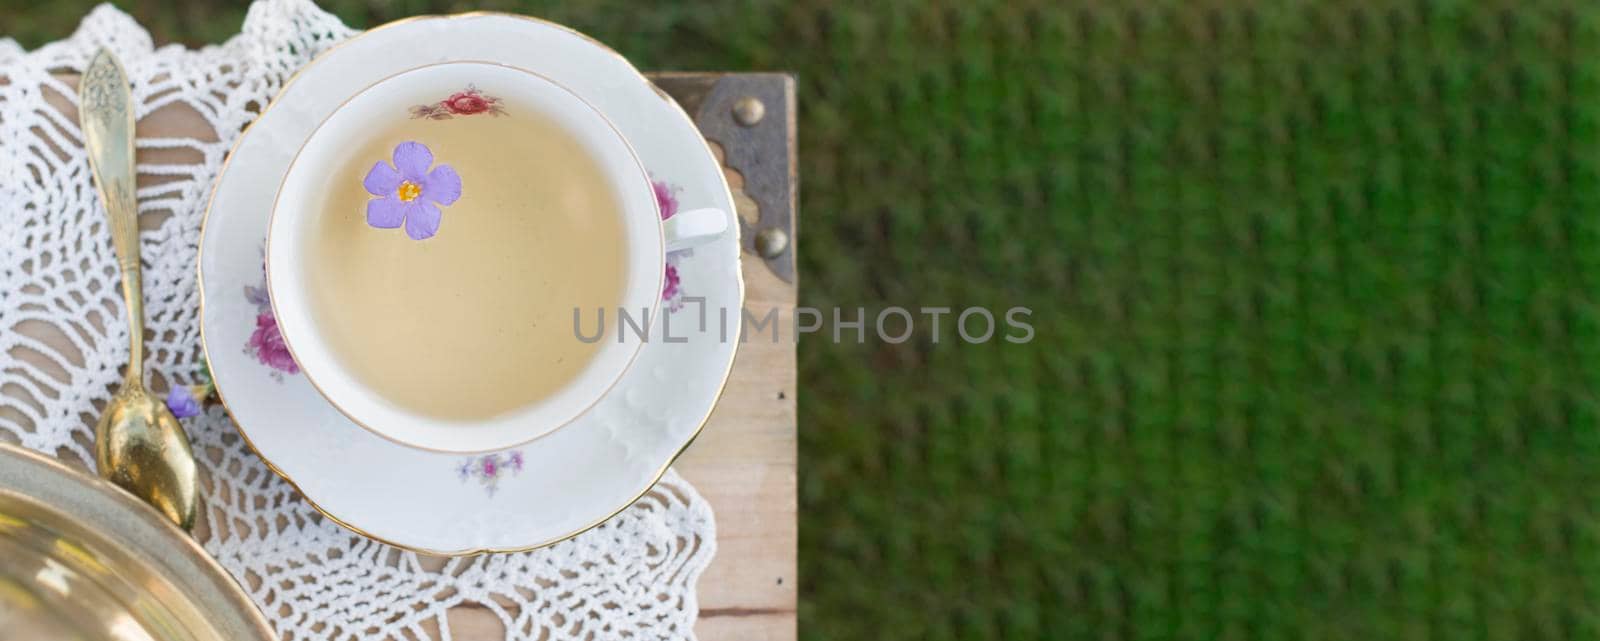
(266, 342)
(467, 102)
(671, 290)
(488, 469)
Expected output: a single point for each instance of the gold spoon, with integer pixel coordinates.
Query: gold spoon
(138, 444)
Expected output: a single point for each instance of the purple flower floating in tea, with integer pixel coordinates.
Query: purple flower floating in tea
(407, 192)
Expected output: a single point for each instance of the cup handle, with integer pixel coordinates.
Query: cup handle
(686, 229)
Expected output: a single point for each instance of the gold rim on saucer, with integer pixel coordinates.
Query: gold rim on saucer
(655, 477)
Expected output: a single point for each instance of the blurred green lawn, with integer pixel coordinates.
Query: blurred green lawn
(1314, 285)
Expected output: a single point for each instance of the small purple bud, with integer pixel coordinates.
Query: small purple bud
(182, 402)
(516, 460)
(488, 466)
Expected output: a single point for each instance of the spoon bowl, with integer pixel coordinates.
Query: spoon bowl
(140, 446)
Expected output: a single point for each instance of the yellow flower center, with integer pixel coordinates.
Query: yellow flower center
(409, 191)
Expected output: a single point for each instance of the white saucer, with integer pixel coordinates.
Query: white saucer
(531, 496)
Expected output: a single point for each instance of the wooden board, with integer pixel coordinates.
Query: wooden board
(745, 465)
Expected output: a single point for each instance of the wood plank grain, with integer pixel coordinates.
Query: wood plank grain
(745, 464)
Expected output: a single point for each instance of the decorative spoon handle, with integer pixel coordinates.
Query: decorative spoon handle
(138, 444)
(106, 114)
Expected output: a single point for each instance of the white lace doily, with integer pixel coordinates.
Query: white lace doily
(63, 338)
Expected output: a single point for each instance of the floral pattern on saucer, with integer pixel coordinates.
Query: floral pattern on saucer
(490, 468)
(467, 102)
(266, 342)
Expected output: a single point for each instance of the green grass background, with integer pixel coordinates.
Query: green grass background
(1314, 286)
